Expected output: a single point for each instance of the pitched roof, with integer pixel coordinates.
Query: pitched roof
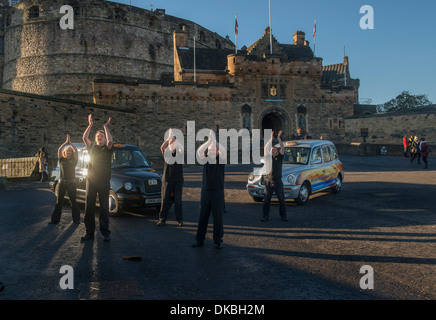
(334, 72)
(205, 58)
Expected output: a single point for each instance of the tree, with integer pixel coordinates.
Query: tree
(404, 101)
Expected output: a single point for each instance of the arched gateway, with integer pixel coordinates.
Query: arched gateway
(276, 119)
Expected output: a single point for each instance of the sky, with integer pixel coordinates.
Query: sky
(398, 54)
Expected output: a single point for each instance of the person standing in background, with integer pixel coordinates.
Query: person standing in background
(424, 151)
(405, 145)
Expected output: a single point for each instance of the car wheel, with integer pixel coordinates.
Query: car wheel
(114, 206)
(337, 188)
(303, 194)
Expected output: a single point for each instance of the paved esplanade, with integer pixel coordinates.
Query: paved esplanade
(384, 217)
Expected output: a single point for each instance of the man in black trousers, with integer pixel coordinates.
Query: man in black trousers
(172, 181)
(67, 166)
(98, 180)
(274, 178)
(212, 191)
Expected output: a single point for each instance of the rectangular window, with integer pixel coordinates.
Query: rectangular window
(326, 154)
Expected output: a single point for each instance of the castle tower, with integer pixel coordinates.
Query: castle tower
(109, 41)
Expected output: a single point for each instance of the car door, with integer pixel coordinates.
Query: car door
(328, 169)
(316, 163)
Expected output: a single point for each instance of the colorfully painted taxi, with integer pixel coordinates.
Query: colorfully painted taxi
(309, 166)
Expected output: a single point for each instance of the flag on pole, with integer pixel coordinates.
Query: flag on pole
(314, 38)
(236, 34)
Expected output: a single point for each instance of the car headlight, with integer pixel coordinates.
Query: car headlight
(251, 177)
(291, 179)
(127, 186)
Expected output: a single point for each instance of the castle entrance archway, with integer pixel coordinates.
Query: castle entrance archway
(275, 119)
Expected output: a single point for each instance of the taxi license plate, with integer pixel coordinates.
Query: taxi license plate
(152, 182)
(157, 200)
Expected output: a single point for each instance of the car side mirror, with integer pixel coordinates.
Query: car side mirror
(150, 163)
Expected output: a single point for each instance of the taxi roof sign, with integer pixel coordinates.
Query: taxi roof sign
(291, 143)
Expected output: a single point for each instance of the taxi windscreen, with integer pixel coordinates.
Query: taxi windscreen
(296, 155)
(128, 158)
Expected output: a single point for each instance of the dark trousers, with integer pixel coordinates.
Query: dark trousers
(171, 192)
(269, 189)
(92, 189)
(70, 187)
(424, 158)
(414, 155)
(211, 201)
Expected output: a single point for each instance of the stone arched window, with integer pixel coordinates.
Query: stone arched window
(301, 119)
(246, 116)
(202, 36)
(34, 12)
(152, 22)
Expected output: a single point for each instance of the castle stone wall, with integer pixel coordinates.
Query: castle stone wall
(109, 40)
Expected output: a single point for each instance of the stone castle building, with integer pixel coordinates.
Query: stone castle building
(140, 67)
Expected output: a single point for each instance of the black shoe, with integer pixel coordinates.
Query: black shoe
(87, 237)
(106, 238)
(53, 222)
(180, 224)
(264, 219)
(219, 245)
(160, 223)
(197, 244)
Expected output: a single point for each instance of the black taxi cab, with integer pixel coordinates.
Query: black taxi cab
(134, 184)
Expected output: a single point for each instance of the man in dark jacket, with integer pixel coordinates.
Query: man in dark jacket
(172, 182)
(274, 178)
(212, 191)
(98, 180)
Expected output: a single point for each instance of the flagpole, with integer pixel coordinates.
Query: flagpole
(270, 29)
(195, 75)
(314, 39)
(236, 33)
(345, 69)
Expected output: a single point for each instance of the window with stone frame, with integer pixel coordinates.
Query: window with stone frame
(8, 20)
(34, 12)
(282, 91)
(335, 123)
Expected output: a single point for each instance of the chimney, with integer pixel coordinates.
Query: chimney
(299, 38)
(180, 38)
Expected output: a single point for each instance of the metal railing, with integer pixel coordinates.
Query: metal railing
(17, 167)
